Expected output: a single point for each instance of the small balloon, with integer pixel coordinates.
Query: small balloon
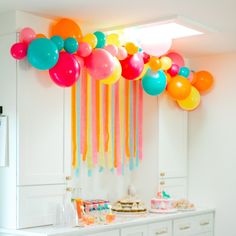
(204, 81)
(192, 101)
(58, 40)
(27, 35)
(131, 48)
(19, 50)
(42, 54)
(115, 76)
(113, 39)
(91, 39)
(122, 53)
(154, 83)
(132, 66)
(174, 70)
(40, 36)
(166, 63)
(111, 49)
(84, 49)
(101, 39)
(71, 45)
(179, 88)
(66, 72)
(184, 71)
(155, 63)
(67, 28)
(176, 58)
(100, 64)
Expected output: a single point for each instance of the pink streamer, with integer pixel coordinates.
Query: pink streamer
(140, 121)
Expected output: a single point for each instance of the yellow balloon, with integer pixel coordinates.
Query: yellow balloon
(154, 63)
(192, 101)
(145, 68)
(168, 77)
(113, 39)
(166, 63)
(90, 39)
(131, 48)
(115, 76)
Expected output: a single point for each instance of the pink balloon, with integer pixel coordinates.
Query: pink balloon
(84, 49)
(67, 70)
(80, 60)
(122, 53)
(174, 70)
(19, 50)
(156, 46)
(176, 58)
(112, 49)
(27, 35)
(132, 66)
(100, 64)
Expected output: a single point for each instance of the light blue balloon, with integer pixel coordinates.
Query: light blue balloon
(154, 83)
(42, 54)
(184, 71)
(101, 39)
(58, 40)
(71, 45)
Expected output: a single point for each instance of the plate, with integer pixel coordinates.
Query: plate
(159, 211)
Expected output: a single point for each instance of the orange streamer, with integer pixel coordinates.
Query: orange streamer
(106, 113)
(98, 113)
(127, 117)
(73, 121)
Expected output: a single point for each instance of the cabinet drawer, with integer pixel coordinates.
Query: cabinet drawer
(184, 227)
(160, 229)
(204, 223)
(135, 231)
(108, 233)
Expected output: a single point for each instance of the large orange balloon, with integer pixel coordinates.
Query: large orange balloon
(67, 28)
(179, 88)
(204, 81)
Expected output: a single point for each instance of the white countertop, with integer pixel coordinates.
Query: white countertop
(120, 223)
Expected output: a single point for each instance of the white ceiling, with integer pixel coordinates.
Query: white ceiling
(217, 14)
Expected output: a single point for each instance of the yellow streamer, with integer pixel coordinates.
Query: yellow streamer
(109, 154)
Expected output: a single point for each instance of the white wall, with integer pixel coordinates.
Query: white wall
(212, 145)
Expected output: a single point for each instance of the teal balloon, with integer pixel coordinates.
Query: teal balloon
(42, 54)
(58, 40)
(71, 45)
(101, 39)
(184, 71)
(154, 83)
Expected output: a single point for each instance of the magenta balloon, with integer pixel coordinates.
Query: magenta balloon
(132, 66)
(19, 50)
(176, 58)
(174, 70)
(27, 35)
(67, 70)
(122, 53)
(84, 49)
(112, 49)
(80, 60)
(100, 64)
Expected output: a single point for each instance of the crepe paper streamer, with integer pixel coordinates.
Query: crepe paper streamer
(137, 124)
(77, 169)
(113, 128)
(73, 121)
(131, 161)
(98, 94)
(83, 115)
(106, 116)
(117, 130)
(90, 173)
(94, 121)
(134, 116)
(110, 144)
(127, 120)
(140, 121)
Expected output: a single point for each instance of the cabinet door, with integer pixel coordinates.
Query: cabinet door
(160, 229)
(172, 139)
(108, 233)
(40, 127)
(135, 231)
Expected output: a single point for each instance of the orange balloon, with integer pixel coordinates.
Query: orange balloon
(194, 80)
(154, 63)
(40, 36)
(67, 28)
(179, 88)
(204, 81)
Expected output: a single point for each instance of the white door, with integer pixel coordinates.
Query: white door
(135, 231)
(40, 128)
(172, 139)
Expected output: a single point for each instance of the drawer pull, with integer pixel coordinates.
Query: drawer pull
(162, 183)
(184, 227)
(163, 231)
(68, 178)
(204, 223)
(69, 189)
(162, 174)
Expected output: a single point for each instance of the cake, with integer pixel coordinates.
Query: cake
(183, 205)
(163, 202)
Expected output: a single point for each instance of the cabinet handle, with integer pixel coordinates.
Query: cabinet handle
(204, 223)
(163, 231)
(162, 183)
(68, 178)
(184, 227)
(69, 189)
(162, 174)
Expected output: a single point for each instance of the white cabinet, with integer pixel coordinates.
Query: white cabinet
(172, 143)
(160, 229)
(108, 233)
(135, 231)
